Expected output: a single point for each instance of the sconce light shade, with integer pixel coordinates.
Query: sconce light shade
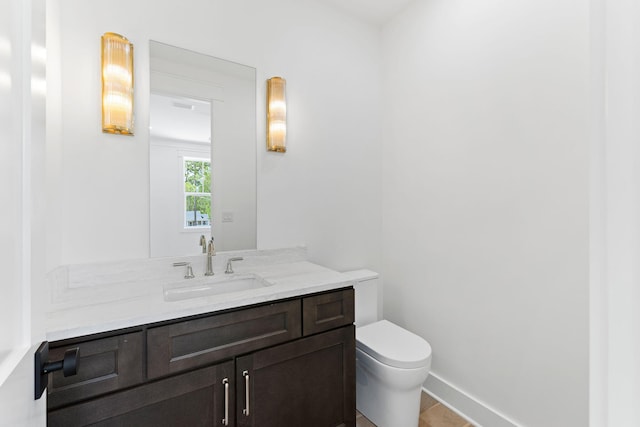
(276, 115)
(117, 84)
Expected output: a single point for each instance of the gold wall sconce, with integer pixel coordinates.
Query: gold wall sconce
(276, 115)
(117, 84)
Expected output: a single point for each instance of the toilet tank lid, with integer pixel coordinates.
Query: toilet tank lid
(392, 345)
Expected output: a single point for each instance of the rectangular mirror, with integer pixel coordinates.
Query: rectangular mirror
(202, 152)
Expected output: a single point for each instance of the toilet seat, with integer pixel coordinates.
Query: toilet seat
(392, 345)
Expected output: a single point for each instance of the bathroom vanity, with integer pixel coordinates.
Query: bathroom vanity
(288, 359)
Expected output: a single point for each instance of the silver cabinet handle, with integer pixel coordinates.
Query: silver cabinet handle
(245, 411)
(225, 420)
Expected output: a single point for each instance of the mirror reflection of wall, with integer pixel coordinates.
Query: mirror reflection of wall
(202, 152)
(180, 173)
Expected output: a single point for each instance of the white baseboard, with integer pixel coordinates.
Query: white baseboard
(476, 412)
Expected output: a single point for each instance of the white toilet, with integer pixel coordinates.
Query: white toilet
(391, 362)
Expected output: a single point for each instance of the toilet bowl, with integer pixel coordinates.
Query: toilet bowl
(391, 362)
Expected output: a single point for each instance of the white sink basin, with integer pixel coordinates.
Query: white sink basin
(215, 285)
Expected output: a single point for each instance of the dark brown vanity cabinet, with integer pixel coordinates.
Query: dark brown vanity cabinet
(289, 363)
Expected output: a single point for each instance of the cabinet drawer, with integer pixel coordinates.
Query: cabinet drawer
(105, 365)
(327, 311)
(194, 343)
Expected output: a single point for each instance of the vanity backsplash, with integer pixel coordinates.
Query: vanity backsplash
(138, 272)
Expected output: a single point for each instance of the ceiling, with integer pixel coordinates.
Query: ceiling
(180, 118)
(377, 12)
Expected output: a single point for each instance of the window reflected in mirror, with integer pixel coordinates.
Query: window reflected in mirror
(197, 193)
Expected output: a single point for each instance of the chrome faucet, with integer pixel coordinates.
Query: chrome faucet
(203, 243)
(211, 252)
(229, 269)
(189, 273)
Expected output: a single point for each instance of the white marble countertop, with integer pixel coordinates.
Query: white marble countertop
(102, 297)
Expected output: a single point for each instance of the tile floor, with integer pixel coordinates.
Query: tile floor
(432, 414)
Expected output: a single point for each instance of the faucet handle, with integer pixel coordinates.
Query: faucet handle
(189, 274)
(229, 269)
(203, 243)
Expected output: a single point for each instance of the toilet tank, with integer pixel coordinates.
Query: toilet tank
(366, 284)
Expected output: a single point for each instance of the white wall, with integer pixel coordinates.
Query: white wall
(22, 146)
(485, 198)
(22, 120)
(324, 192)
(12, 99)
(615, 321)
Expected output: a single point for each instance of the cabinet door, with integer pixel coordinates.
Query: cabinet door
(196, 398)
(308, 382)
